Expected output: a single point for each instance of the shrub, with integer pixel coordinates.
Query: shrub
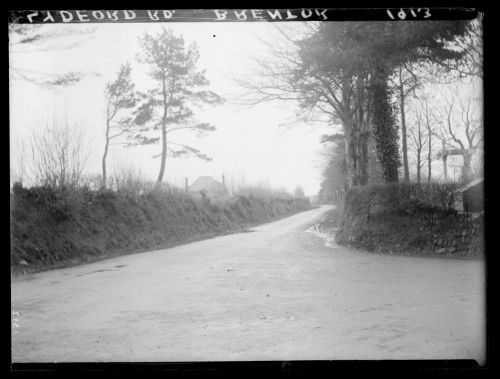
(408, 218)
(404, 198)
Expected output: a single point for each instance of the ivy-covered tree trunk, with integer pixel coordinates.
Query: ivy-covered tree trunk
(363, 154)
(350, 161)
(356, 156)
(384, 125)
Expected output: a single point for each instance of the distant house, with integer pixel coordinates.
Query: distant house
(209, 185)
(470, 198)
(314, 199)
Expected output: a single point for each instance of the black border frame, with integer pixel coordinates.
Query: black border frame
(440, 367)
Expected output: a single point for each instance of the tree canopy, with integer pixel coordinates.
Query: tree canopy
(359, 57)
(168, 106)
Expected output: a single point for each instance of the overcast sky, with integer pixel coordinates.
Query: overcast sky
(248, 144)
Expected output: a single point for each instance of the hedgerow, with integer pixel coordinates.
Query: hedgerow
(409, 218)
(50, 226)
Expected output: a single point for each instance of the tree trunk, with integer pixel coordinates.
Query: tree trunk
(429, 155)
(356, 156)
(350, 157)
(445, 169)
(362, 133)
(418, 168)
(104, 156)
(356, 139)
(163, 134)
(385, 127)
(163, 154)
(363, 159)
(374, 172)
(466, 167)
(406, 172)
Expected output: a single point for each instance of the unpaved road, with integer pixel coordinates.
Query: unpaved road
(277, 293)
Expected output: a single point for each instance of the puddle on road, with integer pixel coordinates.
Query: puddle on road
(103, 270)
(329, 239)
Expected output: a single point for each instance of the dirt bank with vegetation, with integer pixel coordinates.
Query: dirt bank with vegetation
(406, 219)
(58, 227)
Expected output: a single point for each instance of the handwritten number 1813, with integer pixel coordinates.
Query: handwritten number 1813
(402, 14)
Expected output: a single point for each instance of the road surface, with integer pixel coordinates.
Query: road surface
(276, 293)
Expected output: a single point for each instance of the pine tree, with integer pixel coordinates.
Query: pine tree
(120, 100)
(168, 107)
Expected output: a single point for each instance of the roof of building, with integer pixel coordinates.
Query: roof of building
(206, 183)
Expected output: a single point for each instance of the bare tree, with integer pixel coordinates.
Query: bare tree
(299, 71)
(428, 117)
(406, 82)
(426, 128)
(120, 98)
(461, 127)
(419, 137)
(17, 167)
(58, 154)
